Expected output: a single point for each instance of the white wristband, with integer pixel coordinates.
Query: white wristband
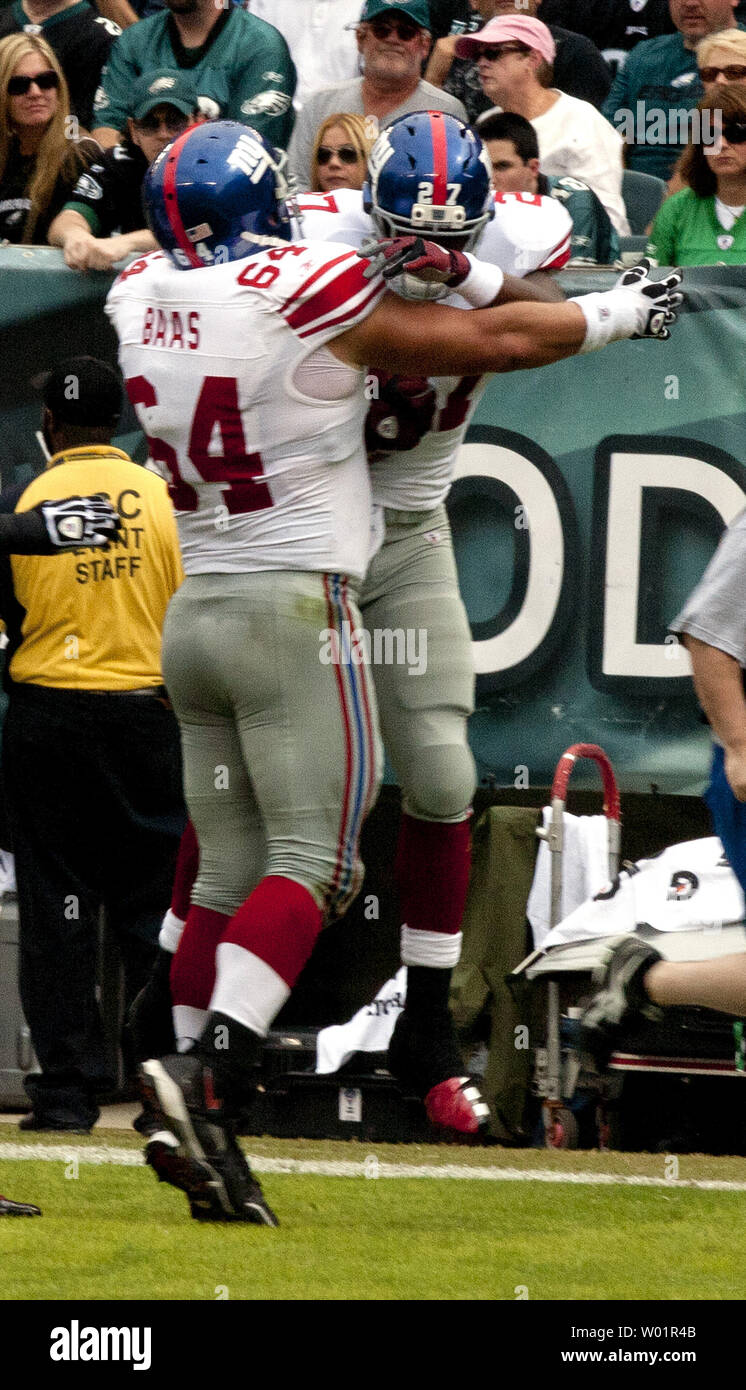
(610, 315)
(482, 285)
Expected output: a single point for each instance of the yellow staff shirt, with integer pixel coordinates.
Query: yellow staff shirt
(92, 619)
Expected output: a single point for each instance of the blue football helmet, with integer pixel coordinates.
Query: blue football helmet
(429, 175)
(217, 193)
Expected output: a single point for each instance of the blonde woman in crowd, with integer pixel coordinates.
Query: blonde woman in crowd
(340, 153)
(721, 58)
(40, 156)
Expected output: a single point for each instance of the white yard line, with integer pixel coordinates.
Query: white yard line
(372, 1167)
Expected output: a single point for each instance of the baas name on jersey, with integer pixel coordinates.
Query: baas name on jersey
(163, 328)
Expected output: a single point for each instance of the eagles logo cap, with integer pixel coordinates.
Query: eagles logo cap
(163, 87)
(416, 10)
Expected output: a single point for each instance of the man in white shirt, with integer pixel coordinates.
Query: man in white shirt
(321, 38)
(514, 58)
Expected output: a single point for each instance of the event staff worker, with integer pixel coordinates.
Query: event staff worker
(91, 757)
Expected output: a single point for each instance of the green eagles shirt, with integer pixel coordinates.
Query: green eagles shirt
(594, 239)
(243, 72)
(686, 231)
(649, 101)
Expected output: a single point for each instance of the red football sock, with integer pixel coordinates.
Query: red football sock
(279, 923)
(193, 968)
(433, 860)
(185, 873)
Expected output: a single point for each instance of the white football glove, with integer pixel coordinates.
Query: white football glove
(80, 521)
(637, 307)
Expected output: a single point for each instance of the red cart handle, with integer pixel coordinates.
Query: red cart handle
(612, 806)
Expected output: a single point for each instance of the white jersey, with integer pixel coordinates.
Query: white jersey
(527, 233)
(258, 425)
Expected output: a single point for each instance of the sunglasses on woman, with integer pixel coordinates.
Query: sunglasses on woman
(734, 73)
(19, 86)
(735, 132)
(493, 51)
(347, 153)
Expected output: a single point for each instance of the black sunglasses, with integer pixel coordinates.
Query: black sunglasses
(404, 28)
(347, 153)
(734, 73)
(19, 86)
(493, 51)
(151, 125)
(735, 132)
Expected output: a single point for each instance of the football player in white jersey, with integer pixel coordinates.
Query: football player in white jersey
(411, 584)
(248, 379)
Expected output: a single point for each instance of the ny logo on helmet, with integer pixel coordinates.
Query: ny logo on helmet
(250, 157)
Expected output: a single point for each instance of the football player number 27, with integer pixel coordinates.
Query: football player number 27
(239, 471)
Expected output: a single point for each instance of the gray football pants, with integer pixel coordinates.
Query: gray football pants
(282, 755)
(426, 692)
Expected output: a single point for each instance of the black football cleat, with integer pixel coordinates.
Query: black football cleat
(8, 1208)
(195, 1148)
(425, 1058)
(621, 1000)
(164, 1155)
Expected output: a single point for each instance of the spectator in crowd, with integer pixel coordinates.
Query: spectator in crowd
(720, 58)
(393, 42)
(614, 26)
(102, 221)
(39, 161)
(579, 68)
(241, 68)
(320, 36)
(340, 154)
(514, 58)
(704, 224)
(659, 86)
(513, 148)
(79, 36)
(91, 756)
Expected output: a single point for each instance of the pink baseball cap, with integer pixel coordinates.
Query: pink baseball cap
(506, 28)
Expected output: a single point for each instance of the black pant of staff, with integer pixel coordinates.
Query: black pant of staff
(94, 793)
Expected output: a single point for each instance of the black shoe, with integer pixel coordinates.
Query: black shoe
(42, 1126)
(425, 1058)
(621, 999)
(204, 1160)
(149, 1023)
(8, 1208)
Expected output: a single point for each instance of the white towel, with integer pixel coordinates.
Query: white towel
(585, 870)
(689, 885)
(369, 1031)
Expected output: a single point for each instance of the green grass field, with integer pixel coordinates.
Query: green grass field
(112, 1232)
